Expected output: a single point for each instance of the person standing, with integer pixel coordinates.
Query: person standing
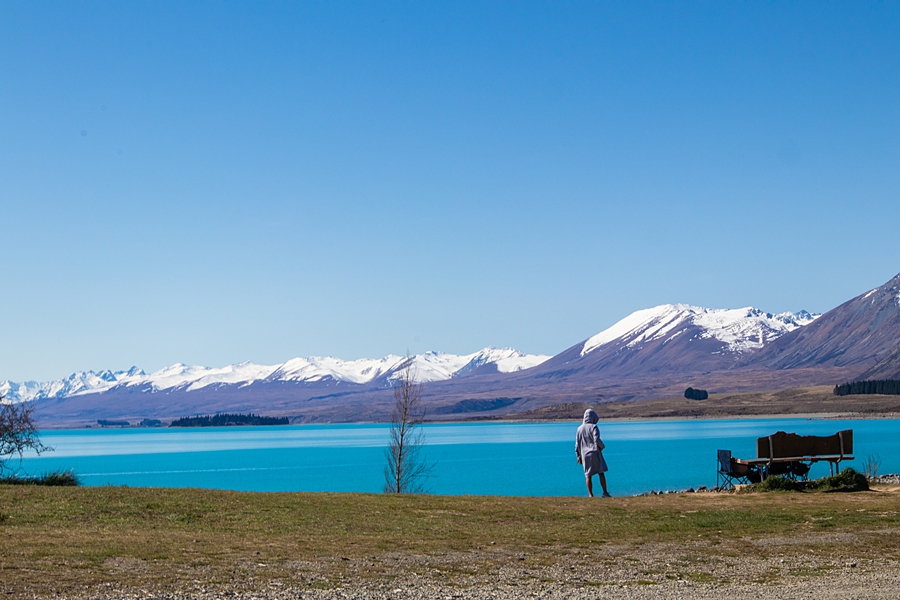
(589, 450)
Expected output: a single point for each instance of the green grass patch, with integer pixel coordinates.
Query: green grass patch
(60, 539)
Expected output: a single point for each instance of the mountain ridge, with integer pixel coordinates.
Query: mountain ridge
(859, 333)
(652, 353)
(430, 366)
(732, 327)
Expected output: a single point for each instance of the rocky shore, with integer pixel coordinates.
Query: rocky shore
(891, 479)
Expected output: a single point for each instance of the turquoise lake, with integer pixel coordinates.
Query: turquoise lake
(530, 459)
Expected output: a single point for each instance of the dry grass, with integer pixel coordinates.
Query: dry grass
(61, 539)
(795, 401)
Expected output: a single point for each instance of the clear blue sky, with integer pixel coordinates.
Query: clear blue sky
(226, 181)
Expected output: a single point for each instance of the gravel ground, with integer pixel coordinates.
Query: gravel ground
(869, 586)
(650, 571)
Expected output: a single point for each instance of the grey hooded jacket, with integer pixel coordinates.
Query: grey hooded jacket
(587, 438)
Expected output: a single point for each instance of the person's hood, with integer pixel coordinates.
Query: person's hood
(590, 416)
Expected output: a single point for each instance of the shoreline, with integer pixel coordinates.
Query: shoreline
(805, 416)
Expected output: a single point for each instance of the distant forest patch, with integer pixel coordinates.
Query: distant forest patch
(110, 423)
(473, 405)
(696, 394)
(225, 419)
(879, 386)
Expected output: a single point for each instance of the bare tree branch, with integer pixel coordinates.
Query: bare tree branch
(406, 469)
(17, 431)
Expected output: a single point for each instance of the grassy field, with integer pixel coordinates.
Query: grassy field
(64, 539)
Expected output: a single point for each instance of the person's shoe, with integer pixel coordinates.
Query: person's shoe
(606, 495)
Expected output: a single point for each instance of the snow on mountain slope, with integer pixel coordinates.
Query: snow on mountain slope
(317, 368)
(506, 360)
(17, 392)
(77, 383)
(739, 329)
(431, 366)
(434, 366)
(437, 366)
(196, 378)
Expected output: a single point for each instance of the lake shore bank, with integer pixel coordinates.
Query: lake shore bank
(808, 416)
(810, 402)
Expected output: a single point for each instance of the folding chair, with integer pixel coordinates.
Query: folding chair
(730, 471)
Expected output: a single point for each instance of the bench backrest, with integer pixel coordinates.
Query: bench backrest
(783, 445)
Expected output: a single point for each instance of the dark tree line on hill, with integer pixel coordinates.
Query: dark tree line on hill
(695, 394)
(225, 419)
(881, 386)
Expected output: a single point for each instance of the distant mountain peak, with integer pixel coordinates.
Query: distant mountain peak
(740, 329)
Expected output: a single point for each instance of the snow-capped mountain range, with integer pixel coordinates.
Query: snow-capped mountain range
(652, 353)
(429, 367)
(738, 330)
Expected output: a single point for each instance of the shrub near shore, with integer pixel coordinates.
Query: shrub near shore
(847, 480)
(55, 478)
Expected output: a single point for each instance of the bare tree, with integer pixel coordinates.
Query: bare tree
(871, 465)
(406, 469)
(17, 430)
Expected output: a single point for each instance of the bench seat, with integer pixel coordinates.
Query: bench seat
(785, 453)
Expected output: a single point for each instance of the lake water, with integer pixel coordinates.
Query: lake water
(532, 459)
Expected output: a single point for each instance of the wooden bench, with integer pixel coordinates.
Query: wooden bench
(785, 454)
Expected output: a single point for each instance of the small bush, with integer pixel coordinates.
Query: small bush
(54, 478)
(777, 483)
(60, 478)
(16, 480)
(847, 480)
